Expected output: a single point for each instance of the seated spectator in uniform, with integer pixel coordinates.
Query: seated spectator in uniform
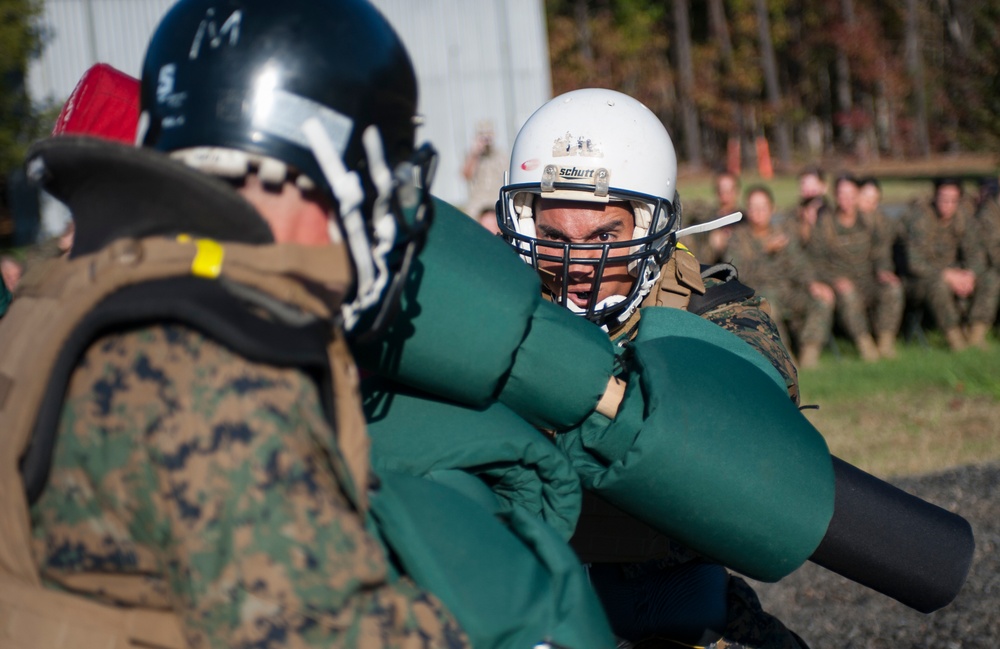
(988, 217)
(947, 261)
(710, 247)
(776, 266)
(870, 207)
(812, 203)
(854, 255)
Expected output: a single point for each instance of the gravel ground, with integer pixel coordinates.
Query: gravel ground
(830, 612)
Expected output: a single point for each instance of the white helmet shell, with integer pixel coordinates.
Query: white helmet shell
(582, 132)
(596, 145)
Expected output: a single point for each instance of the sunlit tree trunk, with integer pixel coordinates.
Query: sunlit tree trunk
(719, 29)
(582, 15)
(915, 66)
(685, 73)
(771, 86)
(845, 100)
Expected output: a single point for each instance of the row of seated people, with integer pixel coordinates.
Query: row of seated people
(845, 264)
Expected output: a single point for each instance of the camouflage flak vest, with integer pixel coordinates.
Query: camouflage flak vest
(252, 298)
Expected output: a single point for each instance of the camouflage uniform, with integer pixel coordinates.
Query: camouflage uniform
(857, 253)
(783, 278)
(187, 477)
(789, 221)
(988, 217)
(749, 318)
(931, 247)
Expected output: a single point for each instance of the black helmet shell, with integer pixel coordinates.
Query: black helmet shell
(245, 74)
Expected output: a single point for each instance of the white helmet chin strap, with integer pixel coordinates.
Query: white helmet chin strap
(606, 303)
(614, 300)
(369, 260)
(652, 274)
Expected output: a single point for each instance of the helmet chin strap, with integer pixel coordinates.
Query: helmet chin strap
(369, 257)
(608, 303)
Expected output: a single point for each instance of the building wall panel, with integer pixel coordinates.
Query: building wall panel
(475, 60)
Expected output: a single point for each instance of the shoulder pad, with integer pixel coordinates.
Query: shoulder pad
(731, 289)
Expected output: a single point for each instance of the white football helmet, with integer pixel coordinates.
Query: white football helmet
(599, 146)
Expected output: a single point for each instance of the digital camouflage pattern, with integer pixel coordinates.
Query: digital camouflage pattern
(782, 276)
(933, 245)
(988, 216)
(751, 321)
(857, 253)
(186, 477)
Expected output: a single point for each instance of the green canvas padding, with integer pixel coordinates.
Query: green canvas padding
(710, 451)
(465, 310)
(512, 583)
(657, 322)
(560, 370)
(417, 434)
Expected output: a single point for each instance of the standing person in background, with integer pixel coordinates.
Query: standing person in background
(776, 266)
(852, 255)
(947, 259)
(483, 171)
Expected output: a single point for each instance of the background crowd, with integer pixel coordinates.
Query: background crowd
(836, 264)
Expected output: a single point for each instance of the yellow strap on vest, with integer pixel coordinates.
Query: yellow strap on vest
(207, 261)
(37, 618)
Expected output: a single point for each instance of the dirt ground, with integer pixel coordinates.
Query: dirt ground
(830, 612)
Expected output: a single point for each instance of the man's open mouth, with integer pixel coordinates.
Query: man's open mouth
(580, 298)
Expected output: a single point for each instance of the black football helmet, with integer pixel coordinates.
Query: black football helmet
(317, 91)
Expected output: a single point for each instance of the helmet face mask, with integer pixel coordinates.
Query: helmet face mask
(321, 92)
(604, 148)
(567, 266)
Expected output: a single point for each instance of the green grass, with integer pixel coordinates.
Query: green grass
(700, 189)
(927, 410)
(971, 372)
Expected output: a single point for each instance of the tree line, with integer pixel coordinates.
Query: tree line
(810, 78)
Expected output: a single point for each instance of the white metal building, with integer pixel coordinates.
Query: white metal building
(475, 60)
